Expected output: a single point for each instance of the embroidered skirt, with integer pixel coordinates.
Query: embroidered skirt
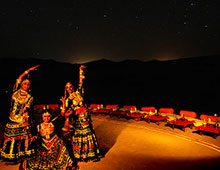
(84, 141)
(17, 144)
(52, 154)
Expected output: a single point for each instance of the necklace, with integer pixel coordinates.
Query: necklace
(23, 93)
(46, 128)
(45, 124)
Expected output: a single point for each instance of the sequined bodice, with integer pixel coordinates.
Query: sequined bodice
(20, 100)
(74, 101)
(46, 130)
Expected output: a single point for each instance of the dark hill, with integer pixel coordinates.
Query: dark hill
(190, 84)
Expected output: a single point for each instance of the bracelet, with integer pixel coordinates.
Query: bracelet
(19, 81)
(62, 113)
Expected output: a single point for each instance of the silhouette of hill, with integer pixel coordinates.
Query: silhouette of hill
(189, 84)
(101, 61)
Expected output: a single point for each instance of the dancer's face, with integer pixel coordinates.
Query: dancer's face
(25, 85)
(69, 88)
(46, 118)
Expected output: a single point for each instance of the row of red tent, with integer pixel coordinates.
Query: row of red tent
(131, 111)
(110, 109)
(149, 114)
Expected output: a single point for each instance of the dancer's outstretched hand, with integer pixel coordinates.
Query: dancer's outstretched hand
(26, 72)
(62, 99)
(82, 67)
(33, 68)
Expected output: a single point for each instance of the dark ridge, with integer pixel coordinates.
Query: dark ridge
(131, 62)
(183, 84)
(101, 61)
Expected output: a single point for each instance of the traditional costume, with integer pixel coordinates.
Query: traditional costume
(52, 152)
(84, 140)
(18, 141)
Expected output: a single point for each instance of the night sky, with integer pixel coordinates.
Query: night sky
(78, 31)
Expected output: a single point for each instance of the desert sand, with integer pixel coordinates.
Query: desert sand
(138, 145)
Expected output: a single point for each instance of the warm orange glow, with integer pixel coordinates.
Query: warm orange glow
(163, 56)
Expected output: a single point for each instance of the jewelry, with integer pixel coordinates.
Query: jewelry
(46, 114)
(23, 93)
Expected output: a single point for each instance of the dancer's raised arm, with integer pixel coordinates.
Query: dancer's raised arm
(19, 134)
(25, 73)
(81, 77)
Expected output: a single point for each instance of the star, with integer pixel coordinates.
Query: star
(77, 27)
(36, 53)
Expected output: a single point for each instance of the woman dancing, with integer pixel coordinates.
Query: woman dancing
(84, 140)
(52, 152)
(18, 140)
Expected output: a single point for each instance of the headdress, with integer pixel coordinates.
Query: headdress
(65, 92)
(68, 83)
(25, 80)
(46, 113)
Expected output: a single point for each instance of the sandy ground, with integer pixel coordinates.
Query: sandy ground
(138, 145)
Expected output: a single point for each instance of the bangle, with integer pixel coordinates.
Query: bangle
(18, 81)
(63, 112)
(26, 72)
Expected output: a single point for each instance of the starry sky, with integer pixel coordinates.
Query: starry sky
(79, 31)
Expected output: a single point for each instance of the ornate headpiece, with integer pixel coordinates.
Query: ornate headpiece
(25, 80)
(65, 91)
(46, 114)
(68, 84)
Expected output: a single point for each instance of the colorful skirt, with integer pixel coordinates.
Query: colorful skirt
(17, 144)
(51, 155)
(84, 141)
